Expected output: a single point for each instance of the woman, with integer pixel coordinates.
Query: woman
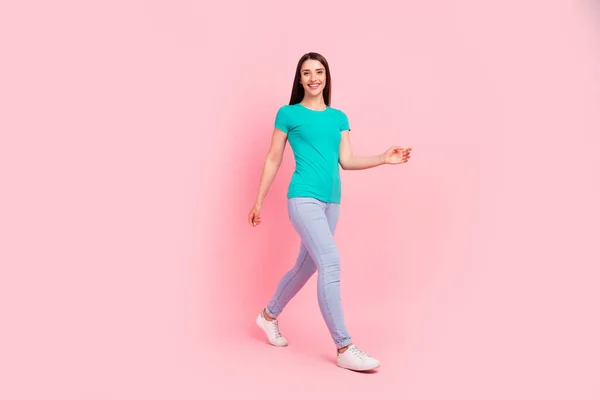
(319, 137)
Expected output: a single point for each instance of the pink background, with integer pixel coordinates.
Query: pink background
(133, 136)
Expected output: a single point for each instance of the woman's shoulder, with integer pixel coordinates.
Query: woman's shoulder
(337, 111)
(286, 108)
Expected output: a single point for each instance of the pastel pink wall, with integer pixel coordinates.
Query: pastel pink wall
(133, 135)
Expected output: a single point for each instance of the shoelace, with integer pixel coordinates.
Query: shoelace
(275, 327)
(358, 352)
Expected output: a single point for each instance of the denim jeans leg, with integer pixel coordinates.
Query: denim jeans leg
(292, 282)
(313, 220)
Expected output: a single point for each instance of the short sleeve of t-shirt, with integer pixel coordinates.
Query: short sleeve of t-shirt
(344, 124)
(281, 120)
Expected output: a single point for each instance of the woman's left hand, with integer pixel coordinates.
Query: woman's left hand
(397, 155)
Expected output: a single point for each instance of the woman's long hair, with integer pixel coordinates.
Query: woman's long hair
(298, 89)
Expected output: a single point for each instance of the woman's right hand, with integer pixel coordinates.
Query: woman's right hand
(254, 216)
(272, 163)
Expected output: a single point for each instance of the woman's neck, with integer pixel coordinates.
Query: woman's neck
(314, 103)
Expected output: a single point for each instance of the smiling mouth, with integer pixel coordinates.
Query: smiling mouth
(314, 86)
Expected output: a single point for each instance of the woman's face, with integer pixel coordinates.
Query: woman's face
(312, 77)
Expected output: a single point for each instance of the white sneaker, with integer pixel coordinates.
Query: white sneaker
(355, 359)
(271, 328)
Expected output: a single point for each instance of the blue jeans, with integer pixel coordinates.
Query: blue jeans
(315, 222)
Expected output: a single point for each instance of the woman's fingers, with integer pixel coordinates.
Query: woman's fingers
(254, 219)
(406, 154)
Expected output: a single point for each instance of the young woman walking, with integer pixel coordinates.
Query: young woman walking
(319, 137)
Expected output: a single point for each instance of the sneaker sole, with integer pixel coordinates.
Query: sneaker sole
(258, 320)
(358, 369)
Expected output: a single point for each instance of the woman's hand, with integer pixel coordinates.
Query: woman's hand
(396, 155)
(254, 216)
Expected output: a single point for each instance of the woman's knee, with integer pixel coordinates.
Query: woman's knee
(330, 261)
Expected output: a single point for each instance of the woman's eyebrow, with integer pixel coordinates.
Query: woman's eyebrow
(308, 70)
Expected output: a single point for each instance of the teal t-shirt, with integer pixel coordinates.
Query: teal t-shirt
(314, 137)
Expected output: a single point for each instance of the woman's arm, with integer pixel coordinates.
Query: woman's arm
(351, 162)
(272, 163)
(394, 155)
